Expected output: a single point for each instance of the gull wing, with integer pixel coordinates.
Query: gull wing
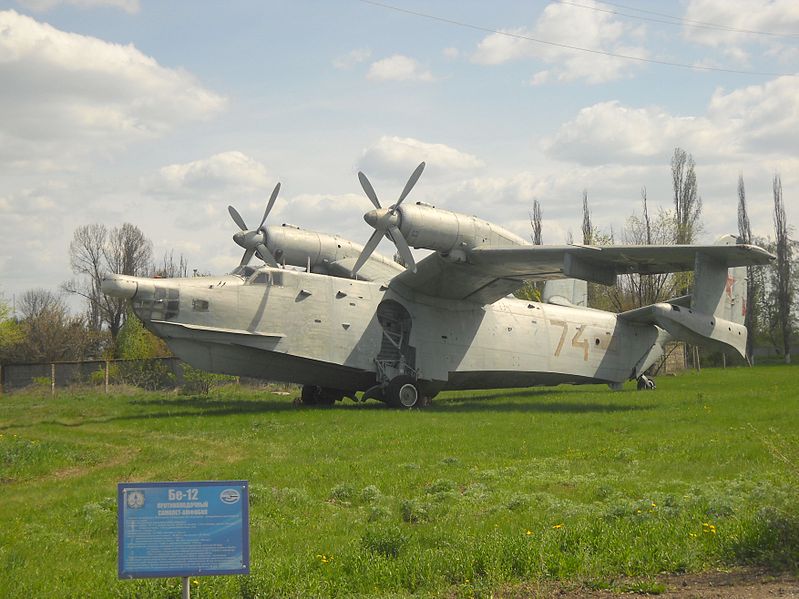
(489, 274)
(374, 269)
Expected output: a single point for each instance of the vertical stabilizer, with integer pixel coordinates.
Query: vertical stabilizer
(718, 290)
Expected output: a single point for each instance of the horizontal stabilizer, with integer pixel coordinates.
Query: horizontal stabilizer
(692, 327)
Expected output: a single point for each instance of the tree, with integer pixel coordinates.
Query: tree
(588, 230)
(782, 283)
(49, 332)
(94, 252)
(533, 290)
(634, 290)
(128, 251)
(535, 223)
(753, 275)
(86, 257)
(10, 332)
(687, 202)
(687, 207)
(169, 269)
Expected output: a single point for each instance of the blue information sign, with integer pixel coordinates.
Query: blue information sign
(183, 529)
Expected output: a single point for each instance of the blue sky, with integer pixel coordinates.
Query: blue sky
(163, 113)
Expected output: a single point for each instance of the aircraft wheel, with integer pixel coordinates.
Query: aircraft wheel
(645, 383)
(403, 393)
(310, 395)
(327, 397)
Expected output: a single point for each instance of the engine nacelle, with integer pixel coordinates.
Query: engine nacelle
(297, 247)
(432, 228)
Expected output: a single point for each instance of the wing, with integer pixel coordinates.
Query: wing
(489, 274)
(374, 269)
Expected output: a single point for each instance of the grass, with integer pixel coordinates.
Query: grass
(480, 491)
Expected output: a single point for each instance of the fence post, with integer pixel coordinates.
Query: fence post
(52, 379)
(106, 376)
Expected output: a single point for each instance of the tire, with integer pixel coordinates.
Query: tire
(403, 392)
(328, 397)
(309, 395)
(645, 383)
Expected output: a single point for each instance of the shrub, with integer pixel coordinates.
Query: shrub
(370, 493)
(343, 493)
(386, 541)
(196, 381)
(414, 511)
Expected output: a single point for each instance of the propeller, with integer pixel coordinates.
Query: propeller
(385, 222)
(254, 242)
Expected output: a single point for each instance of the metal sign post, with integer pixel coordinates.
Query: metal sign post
(183, 529)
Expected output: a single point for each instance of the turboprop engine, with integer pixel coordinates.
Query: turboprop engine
(424, 226)
(287, 244)
(450, 233)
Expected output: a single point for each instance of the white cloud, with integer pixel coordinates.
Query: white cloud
(568, 25)
(764, 117)
(776, 16)
(756, 120)
(129, 6)
(451, 53)
(540, 78)
(352, 58)
(608, 133)
(398, 156)
(221, 174)
(398, 68)
(67, 95)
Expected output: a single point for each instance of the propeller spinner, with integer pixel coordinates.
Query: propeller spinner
(385, 221)
(254, 242)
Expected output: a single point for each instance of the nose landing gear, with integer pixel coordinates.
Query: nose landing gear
(645, 383)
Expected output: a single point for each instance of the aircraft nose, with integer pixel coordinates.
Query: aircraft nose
(119, 286)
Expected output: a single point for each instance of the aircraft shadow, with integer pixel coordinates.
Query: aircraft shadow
(194, 406)
(560, 407)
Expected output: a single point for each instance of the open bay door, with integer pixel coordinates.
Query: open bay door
(396, 356)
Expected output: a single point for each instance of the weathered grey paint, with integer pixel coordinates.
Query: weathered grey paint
(315, 329)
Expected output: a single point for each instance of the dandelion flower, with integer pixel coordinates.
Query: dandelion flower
(558, 526)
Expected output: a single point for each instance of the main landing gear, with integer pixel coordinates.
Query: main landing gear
(313, 395)
(402, 392)
(645, 383)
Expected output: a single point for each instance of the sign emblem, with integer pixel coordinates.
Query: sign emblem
(135, 499)
(230, 496)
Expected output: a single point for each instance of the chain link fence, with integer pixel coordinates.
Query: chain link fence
(154, 373)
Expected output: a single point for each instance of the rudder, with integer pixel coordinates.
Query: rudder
(719, 290)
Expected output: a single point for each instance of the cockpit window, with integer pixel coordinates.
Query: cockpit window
(262, 278)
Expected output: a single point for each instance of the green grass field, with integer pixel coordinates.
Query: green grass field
(480, 491)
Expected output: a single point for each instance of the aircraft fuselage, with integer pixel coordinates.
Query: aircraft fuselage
(334, 332)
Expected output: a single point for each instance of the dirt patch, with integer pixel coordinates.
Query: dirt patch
(737, 584)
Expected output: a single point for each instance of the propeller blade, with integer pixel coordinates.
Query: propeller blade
(245, 260)
(237, 218)
(402, 246)
(369, 190)
(409, 185)
(368, 249)
(265, 255)
(271, 203)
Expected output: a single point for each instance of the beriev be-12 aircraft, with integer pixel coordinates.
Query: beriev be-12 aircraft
(353, 321)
